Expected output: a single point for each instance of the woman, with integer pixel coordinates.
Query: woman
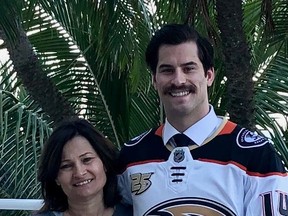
(77, 173)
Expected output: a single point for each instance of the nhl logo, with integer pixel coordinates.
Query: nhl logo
(179, 155)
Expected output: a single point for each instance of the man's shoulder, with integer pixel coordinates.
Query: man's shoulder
(143, 137)
(243, 137)
(249, 148)
(145, 147)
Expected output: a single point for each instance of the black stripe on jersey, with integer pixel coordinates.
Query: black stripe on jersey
(222, 149)
(261, 159)
(150, 148)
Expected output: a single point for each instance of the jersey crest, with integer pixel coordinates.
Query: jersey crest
(249, 139)
(190, 206)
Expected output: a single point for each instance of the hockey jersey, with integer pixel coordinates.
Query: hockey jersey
(235, 172)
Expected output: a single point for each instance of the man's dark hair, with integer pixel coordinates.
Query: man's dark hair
(174, 34)
(54, 197)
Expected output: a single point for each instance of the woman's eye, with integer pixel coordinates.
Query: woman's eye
(65, 166)
(87, 160)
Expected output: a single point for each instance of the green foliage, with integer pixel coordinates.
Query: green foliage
(23, 130)
(93, 51)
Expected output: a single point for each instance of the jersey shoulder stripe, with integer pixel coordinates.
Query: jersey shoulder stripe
(232, 144)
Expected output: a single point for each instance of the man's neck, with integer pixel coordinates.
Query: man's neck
(183, 122)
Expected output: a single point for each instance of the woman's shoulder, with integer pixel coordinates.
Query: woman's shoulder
(49, 213)
(123, 210)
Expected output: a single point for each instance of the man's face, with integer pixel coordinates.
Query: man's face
(181, 82)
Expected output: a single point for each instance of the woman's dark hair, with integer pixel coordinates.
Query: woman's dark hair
(54, 197)
(174, 34)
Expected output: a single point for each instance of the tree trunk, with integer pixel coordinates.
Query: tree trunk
(34, 79)
(240, 87)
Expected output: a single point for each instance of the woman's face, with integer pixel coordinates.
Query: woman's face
(81, 174)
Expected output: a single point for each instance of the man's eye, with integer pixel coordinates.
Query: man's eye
(167, 70)
(188, 69)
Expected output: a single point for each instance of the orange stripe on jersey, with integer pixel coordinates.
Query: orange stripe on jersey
(267, 174)
(159, 130)
(244, 168)
(228, 128)
(224, 163)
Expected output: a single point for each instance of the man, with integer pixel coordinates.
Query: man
(221, 168)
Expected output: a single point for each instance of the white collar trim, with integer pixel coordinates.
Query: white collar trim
(197, 132)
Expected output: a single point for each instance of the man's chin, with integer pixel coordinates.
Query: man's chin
(178, 110)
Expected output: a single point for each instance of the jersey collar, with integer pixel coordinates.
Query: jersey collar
(198, 132)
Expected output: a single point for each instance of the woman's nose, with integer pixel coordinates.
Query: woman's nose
(79, 170)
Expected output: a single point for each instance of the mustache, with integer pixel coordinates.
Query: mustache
(191, 88)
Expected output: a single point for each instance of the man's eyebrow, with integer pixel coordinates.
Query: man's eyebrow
(182, 65)
(165, 65)
(188, 63)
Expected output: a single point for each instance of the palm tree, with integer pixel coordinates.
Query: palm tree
(82, 67)
(87, 58)
(260, 35)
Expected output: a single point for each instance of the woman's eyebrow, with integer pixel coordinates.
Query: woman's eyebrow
(87, 153)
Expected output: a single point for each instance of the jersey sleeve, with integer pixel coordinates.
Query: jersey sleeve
(123, 188)
(122, 177)
(266, 187)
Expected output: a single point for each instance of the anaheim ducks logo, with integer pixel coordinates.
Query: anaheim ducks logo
(248, 139)
(190, 206)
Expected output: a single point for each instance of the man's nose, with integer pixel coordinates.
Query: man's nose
(179, 77)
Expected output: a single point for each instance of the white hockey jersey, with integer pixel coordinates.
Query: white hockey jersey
(234, 173)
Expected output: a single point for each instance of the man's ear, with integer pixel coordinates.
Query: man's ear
(210, 76)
